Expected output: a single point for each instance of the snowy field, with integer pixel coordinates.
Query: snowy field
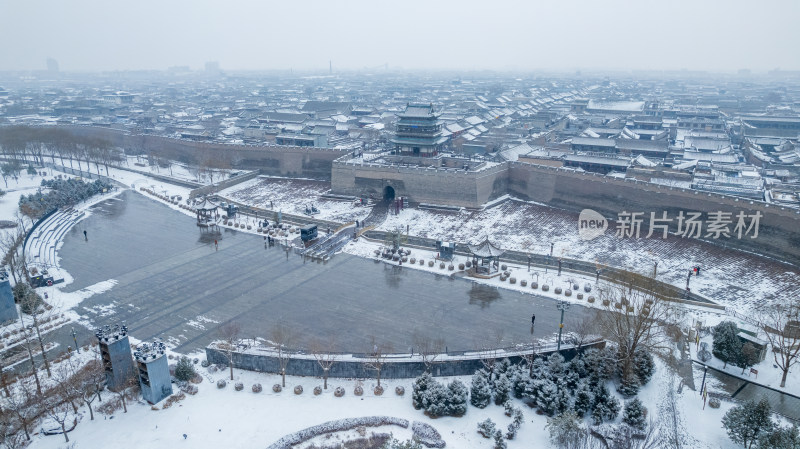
(729, 277)
(293, 196)
(227, 418)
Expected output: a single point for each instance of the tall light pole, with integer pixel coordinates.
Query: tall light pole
(563, 306)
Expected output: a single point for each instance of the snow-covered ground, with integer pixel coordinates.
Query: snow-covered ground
(294, 196)
(227, 418)
(729, 277)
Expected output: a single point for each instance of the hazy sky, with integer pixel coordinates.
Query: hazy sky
(91, 35)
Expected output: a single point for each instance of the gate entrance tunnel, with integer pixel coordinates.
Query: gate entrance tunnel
(388, 193)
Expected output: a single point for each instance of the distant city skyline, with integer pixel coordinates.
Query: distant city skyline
(94, 35)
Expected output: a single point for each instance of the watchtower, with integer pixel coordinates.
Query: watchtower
(115, 351)
(153, 371)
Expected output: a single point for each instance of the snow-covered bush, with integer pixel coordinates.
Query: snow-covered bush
(298, 389)
(358, 390)
(277, 388)
(257, 388)
(458, 398)
(508, 407)
(378, 390)
(317, 390)
(221, 383)
(399, 390)
(635, 414)
(341, 425)
(643, 365)
(441, 265)
(566, 430)
(552, 399)
(714, 402)
(486, 428)
(419, 388)
(480, 392)
(499, 440)
(338, 392)
(502, 387)
(516, 423)
(188, 388)
(628, 385)
(606, 407)
(427, 435)
(238, 386)
(440, 400)
(584, 399)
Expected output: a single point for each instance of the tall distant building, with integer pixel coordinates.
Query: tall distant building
(419, 131)
(212, 68)
(52, 65)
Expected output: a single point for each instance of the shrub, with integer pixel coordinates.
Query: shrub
(378, 390)
(257, 388)
(238, 386)
(317, 390)
(277, 388)
(481, 392)
(298, 389)
(338, 392)
(635, 414)
(221, 383)
(399, 390)
(184, 371)
(358, 390)
(486, 428)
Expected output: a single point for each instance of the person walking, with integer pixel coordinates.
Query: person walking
(216, 245)
(533, 319)
(85, 237)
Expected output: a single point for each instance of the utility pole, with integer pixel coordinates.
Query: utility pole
(563, 306)
(75, 339)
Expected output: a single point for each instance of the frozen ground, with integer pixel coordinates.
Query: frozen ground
(293, 196)
(729, 277)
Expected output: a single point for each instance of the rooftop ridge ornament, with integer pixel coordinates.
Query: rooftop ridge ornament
(107, 334)
(147, 352)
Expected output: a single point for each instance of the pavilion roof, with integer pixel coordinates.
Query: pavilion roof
(486, 249)
(206, 204)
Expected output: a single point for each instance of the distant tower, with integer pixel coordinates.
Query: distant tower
(8, 310)
(212, 68)
(115, 350)
(52, 65)
(153, 371)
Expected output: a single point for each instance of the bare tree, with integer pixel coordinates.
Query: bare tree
(128, 387)
(584, 329)
(489, 345)
(281, 336)
(633, 316)
(781, 324)
(59, 401)
(376, 359)
(24, 404)
(230, 334)
(324, 352)
(429, 348)
(27, 342)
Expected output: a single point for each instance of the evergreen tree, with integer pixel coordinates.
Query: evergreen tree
(480, 393)
(643, 365)
(419, 388)
(486, 428)
(516, 422)
(555, 366)
(746, 423)
(436, 400)
(598, 365)
(499, 440)
(566, 430)
(628, 385)
(502, 387)
(457, 398)
(552, 399)
(571, 380)
(520, 382)
(606, 407)
(634, 414)
(184, 371)
(578, 366)
(584, 399)
(780, 438)
(726, 346)
(539, 368)
(502, 366)
(748, 357)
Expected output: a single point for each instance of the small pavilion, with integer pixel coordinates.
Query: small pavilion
(207, 214)
(486, 257)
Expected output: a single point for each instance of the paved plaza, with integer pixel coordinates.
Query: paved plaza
(173, 284)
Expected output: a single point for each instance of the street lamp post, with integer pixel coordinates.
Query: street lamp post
(75, 339)
(529, 263)
(563, 306)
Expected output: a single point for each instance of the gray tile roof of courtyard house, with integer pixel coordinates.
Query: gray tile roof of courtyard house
(594, 141)
(638, 144)
(599, 160)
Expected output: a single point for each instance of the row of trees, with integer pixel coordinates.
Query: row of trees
(751, 425)
(62, 193)
(34, 144)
